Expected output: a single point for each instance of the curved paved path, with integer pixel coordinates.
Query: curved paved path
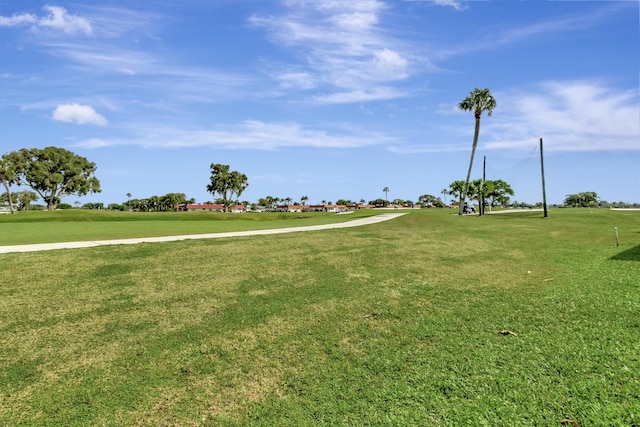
(74, 245)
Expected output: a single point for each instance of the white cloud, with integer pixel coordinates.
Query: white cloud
(296, 79)
(96, 143)
(374, 94)
(390, 64)
(569, 115)
(80, 114)
(451, 3)
(57, 18)
(341, 49)
(16, 20)
(457, 5)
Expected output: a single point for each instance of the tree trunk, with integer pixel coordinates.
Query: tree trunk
(6, 185)
(52, 202)
(463, 194)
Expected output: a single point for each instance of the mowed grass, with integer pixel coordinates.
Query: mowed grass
(396, 323)
(82, 225)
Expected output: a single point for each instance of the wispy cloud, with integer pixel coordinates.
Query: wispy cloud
(56, 18)
(570, 115)
(457, 5)
(341, 49)
(498, 37)
(79, 114)
(247, 135)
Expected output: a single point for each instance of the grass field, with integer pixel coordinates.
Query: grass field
(397, 323)
(81, 225)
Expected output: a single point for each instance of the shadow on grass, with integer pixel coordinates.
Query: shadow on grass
(632, 254)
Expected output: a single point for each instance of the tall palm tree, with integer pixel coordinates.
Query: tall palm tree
(478, 101)
(386, 190)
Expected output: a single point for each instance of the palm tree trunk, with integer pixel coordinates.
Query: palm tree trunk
(463, 194)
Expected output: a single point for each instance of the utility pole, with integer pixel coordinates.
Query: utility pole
(544, 191)
(484, 176)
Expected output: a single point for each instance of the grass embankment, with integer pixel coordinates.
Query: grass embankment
(392, 324)
(84, 225)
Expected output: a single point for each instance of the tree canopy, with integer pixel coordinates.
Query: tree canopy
(498, 192)
(54, 173)
(167, 203)
(585, 199)
(427, 200)
(227, 183)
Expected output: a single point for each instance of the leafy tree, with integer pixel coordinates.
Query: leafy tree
(475, 191)
(4, 198)
(304, 199)
(345, 202)
(228, 184)
(478, 101)
(427, 200)
(8, 177)
(268, 201)
(378, 203)
(54, 173)
(25, 197)
(498, 192)
(170, 201)
(585, 199)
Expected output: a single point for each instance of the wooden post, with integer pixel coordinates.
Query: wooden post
(544, 191)
(484, 175)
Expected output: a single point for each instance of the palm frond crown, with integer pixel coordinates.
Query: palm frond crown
(478, 101)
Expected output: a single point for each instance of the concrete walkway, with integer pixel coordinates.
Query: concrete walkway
(74, 245)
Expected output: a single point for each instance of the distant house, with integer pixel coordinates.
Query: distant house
(290, 208)
(238, 209)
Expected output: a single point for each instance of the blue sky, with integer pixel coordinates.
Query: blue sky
(328, 99)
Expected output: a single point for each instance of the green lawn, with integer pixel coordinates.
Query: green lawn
(82, 225)
(396, 323)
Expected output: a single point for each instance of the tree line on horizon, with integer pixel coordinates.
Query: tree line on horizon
(54, 173)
